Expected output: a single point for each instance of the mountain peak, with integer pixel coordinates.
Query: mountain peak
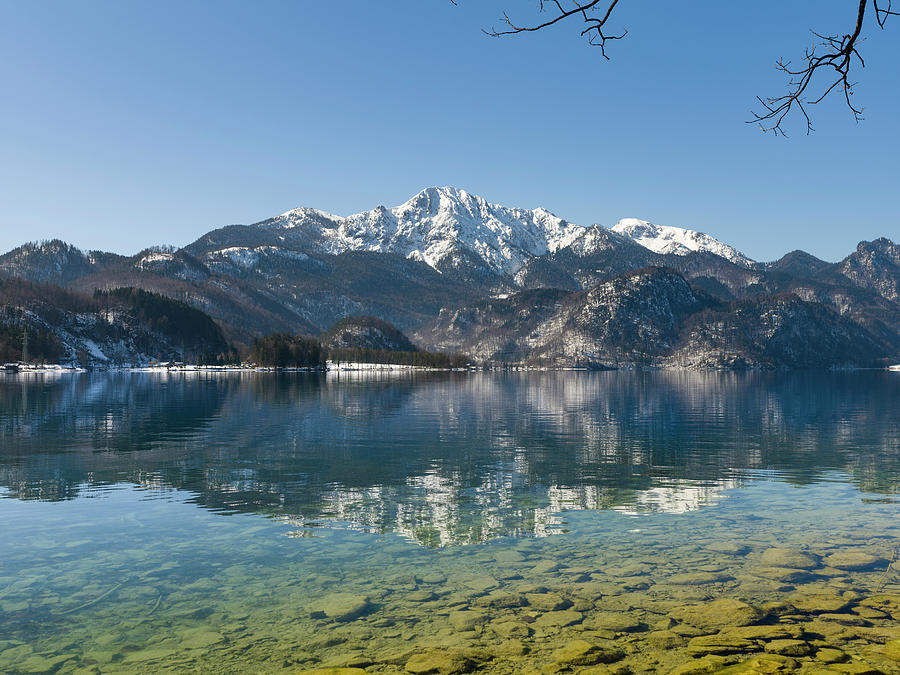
(669, 240)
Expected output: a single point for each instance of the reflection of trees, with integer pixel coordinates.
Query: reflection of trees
(447, 457)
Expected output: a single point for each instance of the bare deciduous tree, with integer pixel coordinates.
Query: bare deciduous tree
(826, 66)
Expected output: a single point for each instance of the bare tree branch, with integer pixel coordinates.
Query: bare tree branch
(587, 9)
(836, 55)
(831, 58)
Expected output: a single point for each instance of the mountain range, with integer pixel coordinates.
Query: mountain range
(449, 268)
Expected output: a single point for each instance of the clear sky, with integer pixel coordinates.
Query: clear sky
(125, 124)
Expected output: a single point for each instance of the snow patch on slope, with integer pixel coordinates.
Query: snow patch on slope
(670, 240)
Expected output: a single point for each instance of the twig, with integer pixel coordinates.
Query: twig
(95, 600)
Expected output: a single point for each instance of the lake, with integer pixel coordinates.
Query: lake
(615, 522)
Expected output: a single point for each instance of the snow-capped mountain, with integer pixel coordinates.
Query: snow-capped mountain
(669, 240)
(442, 227)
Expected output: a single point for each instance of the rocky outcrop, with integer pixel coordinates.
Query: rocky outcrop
(366, 332)
(654, 317)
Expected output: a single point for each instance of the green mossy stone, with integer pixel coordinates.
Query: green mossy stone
(764, 633)
(762, 664)
(719, 644)
(566, 617)
(892, 650)
(584, 653)
(698, 578)
(728, 548)
(789, 558)
(341, 607)
(481, 584)
(546, 602)
(830, 655)
(617, 622)
(200, 639)
(853, 669)
(439, 662)
(708, 664)
(665, 639)
(723, 613)
(466, 620)
(853, 560)
(817, 604)
(511, 629)
(789, 647)
(501, 600)
(786, 575)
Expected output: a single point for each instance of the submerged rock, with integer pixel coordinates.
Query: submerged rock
(892, 650)
(719, 644)
(698, 578)
(830, 655)
(547, 602)
(789, 558)
(852, 559)
(340, 607)
(764, 663)
(789, 647)
(584, 653)
(466, 620)
(439, 662)
(566, 617)
(717, 614)
(617, 622)
(817, 604)
(708, 664)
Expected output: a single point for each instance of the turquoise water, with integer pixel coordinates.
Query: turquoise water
(265, 523)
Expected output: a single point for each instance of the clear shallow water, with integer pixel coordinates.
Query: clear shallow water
(265, 523)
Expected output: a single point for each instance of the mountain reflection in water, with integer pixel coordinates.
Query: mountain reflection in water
(449, 458)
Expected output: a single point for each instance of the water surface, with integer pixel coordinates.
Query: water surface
(265, 523)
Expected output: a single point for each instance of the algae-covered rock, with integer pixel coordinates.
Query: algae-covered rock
(617, 622)
(340, 607)
(333, 671)
(423, 595)
(500, 600)
(584, 653)
(439, 662)
(466, 620)
(719, 644)
(830, 655)
(762, 664)
(665, 639)
(512, 648)
(764, 633)
(200, 638)
(790, 558)
(707, 664)
(698, 578)
(511, 629)
(886, 602)
(786, 575)
(728, 547)
(788, 647)
(722, 613)
(545, 567)
(854, 559)
(566, 617)
(852, 669)
(892, 650)
(547, 602)
(481, 583)
(844, 619)
(817, 604)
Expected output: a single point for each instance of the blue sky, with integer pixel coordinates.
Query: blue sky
(126, 124)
